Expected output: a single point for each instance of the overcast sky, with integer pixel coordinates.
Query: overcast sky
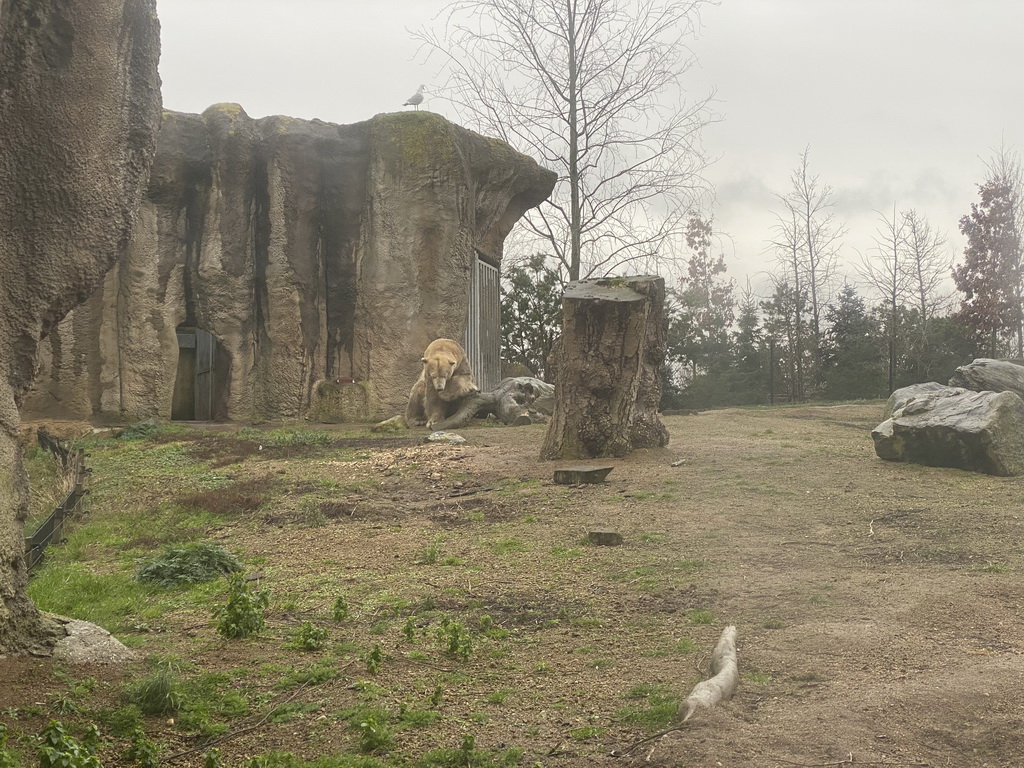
(900, 101)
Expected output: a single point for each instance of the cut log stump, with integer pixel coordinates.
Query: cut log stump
(604, 537)
(582, 475)
(608, 371)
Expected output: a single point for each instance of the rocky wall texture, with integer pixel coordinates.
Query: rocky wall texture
(79, 114)
(310, 251)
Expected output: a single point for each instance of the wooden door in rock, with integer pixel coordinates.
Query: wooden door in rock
(483, 326)
(197, 386)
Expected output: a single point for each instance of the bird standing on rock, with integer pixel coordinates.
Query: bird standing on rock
(417, 98)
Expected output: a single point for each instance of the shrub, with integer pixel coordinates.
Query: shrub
(157, 694)
(59, 749)
(308, 637)
(143, 750)
(243, 615)
(340, 611)
(188, 564)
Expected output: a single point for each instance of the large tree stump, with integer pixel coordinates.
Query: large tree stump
(607, 381)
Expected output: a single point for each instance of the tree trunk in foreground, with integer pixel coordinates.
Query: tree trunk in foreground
(607, 380)
(79, 114)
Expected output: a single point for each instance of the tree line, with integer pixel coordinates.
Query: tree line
(905, 314)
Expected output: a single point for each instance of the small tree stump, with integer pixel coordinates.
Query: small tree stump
(582, 475)
(604, 537)
(608, 372)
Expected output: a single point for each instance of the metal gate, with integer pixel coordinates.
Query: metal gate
(483, 326)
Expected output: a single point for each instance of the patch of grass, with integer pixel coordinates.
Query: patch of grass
(455, 639)
(287, 437)
(499, 696)
(586, 733)
(701, 617)
(192, 563)
(756, 677)
(340, 609)
(993, 567)
(314, 674)
(773, 624)
(566, 553)
(115, 601)
(159, 693)
(658, 710)
(418, 718)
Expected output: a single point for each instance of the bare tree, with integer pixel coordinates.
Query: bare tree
(816, 237)
(788, 243)
(593, 89)
(886, 271)
(928, 261)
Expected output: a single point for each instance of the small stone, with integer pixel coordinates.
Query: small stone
(604, 537)
(445, 437)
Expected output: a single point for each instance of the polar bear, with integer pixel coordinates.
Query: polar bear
(445, 380)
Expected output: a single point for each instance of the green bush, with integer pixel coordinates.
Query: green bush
(243, 615)
(59, 749)
(188, 564)
(308, 637)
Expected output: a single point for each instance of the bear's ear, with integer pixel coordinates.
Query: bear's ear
(451, 362)
(423, 360)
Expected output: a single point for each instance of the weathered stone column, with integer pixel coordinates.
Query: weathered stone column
(79, 113)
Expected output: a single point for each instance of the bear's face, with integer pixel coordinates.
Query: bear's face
(438, 370)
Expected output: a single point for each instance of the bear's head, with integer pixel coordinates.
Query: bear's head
(438, 369)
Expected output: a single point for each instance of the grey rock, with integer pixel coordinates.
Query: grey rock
(987, 375)
(901, 397)
(87, 643)
(975, 431)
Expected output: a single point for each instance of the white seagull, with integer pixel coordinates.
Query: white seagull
(417, 98)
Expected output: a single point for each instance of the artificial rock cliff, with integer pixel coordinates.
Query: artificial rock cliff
(308, 252)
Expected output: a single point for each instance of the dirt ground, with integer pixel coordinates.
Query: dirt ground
(878, 605)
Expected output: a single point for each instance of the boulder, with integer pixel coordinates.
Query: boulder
(901, 397)
(986, 375)
(975, 431)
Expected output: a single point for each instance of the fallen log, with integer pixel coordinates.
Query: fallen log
(722, 685)
(516, 401)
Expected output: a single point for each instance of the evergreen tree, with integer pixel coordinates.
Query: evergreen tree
(784, 330)
(990, 276)
(852, 361)
(749, 354)
(531, 314)
(702, 310)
